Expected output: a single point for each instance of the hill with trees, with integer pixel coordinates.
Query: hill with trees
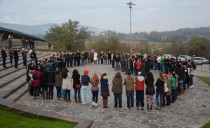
(180, 35)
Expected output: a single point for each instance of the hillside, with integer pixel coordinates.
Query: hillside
(39, 29)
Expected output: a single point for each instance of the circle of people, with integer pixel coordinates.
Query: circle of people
(174, 78)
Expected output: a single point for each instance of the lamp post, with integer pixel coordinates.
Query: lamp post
(130, 4)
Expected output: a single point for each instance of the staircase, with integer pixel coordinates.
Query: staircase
(13, 83)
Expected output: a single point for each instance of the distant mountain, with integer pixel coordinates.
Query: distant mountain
(39, 29)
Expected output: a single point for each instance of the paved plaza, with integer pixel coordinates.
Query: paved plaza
(191, 110)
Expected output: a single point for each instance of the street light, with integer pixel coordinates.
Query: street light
(130, 4)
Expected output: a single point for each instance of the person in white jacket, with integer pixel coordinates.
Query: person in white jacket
(95, 57)
(66, 85)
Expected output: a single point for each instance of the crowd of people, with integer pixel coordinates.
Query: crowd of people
(174, 78)
(13, 54)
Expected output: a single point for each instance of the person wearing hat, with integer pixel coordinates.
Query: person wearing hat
(85, 80)
(139, 91)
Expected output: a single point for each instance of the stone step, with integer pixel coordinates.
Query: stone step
(21, 62)
(8, 89)
(13, 82)
(11, 70)
(20, 59)
(10, 78)
(18, 93)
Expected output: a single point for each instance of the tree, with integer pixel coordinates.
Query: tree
(198, 46)
(68, 36)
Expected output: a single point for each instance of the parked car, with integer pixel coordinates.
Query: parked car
(205, 60)
(168, 56)
(184, 58)
(198, 60)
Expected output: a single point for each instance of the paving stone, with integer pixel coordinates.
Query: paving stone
(152, 125)
(106, 118)
(32, 111)
(19, 107)
(190, 110)
(58, 109)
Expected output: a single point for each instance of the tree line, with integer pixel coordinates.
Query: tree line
(69, 37)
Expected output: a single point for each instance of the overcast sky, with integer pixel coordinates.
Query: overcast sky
(147, 15)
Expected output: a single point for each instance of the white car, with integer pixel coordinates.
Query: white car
(198, 60)
(205, 60)
(184, 57)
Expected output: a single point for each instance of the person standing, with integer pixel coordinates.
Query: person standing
(150, 90)
(4, 56)
(109, 58)
(66, 85)
(78, 57)
(104, 89)
(85, 80)
(44, 84)
(11, 56)
(117, 90)
(24, 55)
(58, 83)
(10, 37)
(173, 82)
(26, 43)
(159, 90)
(23, 42)
(76, 85)
(129, 87)
(36, 81)
(49, 46)
(50, 82)
(33, 55)
(139, 91)
(94, 88)
(16, 57)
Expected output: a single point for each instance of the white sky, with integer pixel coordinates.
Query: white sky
(147, 15)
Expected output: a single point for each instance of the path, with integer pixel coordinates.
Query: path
(191, 110)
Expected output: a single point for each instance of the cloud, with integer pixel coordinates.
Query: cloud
(147, 15)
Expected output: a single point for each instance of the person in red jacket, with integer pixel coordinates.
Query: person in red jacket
(139, 91)
(36, 81)
(138, 66)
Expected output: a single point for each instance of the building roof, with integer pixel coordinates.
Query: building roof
(20, 35)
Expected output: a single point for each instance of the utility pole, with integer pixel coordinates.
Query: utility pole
(130, 4)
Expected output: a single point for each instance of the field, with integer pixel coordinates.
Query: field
(9, 119)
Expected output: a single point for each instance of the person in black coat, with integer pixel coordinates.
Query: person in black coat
(4, 56)
(24, 55)
(76, 85)
(51, 82)
(44, 84)
(159, 90)
(11, 55)
(150, 90)
(33, 56)
(16, 57)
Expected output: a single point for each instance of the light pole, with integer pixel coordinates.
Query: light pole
(130, 4)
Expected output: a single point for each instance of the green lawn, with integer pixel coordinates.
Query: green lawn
(207, 125)
(207, 81)
(9, 119)
(204, 79)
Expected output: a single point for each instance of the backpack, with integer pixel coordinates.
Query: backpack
(34, 76)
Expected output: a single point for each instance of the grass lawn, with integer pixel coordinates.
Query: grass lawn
(9, 119)
(207, 125)
(205, 79)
